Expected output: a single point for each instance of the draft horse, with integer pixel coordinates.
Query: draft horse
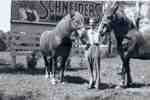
(131, 43)
(55, 44)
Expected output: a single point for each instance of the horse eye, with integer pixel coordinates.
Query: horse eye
(72, 18)
(104, 25)
(109, 17)
(78, 22)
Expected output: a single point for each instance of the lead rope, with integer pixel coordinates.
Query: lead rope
(98, 30)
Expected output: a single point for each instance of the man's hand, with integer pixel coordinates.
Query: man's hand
(87, 46)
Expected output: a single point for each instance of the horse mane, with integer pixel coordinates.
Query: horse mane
(122, 19)
(64, 26)
(121, 23)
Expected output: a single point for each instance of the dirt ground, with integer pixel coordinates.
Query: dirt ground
(31, 85)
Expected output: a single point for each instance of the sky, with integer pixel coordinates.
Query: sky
(5, 10)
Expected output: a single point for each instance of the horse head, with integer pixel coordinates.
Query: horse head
(77, 22)
(108, 18)
(72, 22)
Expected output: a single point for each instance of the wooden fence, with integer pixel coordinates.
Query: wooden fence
(23, 44)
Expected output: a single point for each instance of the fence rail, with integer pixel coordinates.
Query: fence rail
(23, 44)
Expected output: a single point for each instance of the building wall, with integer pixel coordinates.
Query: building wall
(48, 13)
(53, 11)
(28, 27)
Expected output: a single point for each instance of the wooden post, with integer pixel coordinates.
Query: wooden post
(12, 50)
(13, 55)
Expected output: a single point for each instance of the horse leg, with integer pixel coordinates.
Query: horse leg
(126, 77)
(59, 62)
(47, 67)
(130, 51)
(63, 63)
(129, 79)
(90, 68)
(127, 65)
(68, 63)
(122, 73)
(109, 45)
(53, 80)
(125, 57)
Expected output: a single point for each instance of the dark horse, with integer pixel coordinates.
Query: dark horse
(131, 43)
(55, 45)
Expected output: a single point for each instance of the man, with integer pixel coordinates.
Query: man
(93, 55)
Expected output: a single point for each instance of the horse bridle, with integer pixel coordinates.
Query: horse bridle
(104, 26)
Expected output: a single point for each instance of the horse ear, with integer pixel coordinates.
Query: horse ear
(115, 6)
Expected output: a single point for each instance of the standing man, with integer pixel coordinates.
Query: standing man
(93, 55)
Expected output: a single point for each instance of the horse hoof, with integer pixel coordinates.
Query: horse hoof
(129, 85)
(53, 81)
(118, 87)
(122, 86)
(90, 86)
(46, 77)
(120, 73)
(51, 76)
(63, 82)
(125, 84)
(122, 83)
(97, 87)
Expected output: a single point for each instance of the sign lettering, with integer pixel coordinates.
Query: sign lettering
(50, 11)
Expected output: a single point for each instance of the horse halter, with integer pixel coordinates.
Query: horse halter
(105, 25)
(108, 18)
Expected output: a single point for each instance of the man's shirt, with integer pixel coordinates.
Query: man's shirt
(93, 36)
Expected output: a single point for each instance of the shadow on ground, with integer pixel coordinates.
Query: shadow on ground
(75, 79)
(139, 85)
(19, 68)
(80, 80)
(9, 70)
(107, 86)
(76, 69)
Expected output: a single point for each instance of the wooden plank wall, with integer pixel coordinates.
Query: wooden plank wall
(25, 42)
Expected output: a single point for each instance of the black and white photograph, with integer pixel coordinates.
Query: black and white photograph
(74, 50)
